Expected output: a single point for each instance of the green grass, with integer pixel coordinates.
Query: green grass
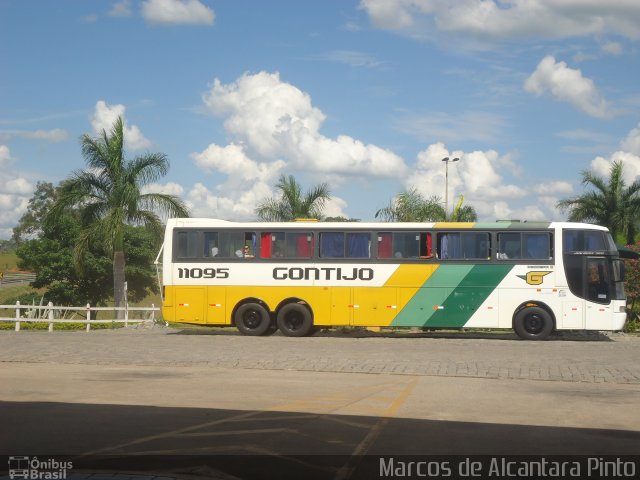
(8, 261)
(67, 326)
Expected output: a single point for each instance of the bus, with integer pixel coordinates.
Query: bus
(296, 277)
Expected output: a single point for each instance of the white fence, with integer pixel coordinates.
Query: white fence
(51, 314)
(7, 278)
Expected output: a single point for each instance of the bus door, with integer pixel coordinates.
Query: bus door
(598, 293)
(589, 278)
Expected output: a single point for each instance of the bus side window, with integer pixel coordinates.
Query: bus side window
(449, 246)
(358, 245)
(384, 245)
(332, 245)
(210, 244)
(406, 244)
(509, 246)
(272, 244)
(297, 245)
(425, 245)
(265, 245)
(188, 244)
(537, 246)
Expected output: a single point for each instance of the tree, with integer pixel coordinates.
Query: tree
(30, 224)
(463, 213)
(108, 197)
(610, 203)
(51, 257)
(292, 204)
(411, 206)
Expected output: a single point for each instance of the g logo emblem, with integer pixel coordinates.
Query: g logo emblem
(534, 278)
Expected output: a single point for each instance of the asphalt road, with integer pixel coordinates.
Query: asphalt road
(220, 405)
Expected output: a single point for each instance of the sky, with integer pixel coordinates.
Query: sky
(366, 95)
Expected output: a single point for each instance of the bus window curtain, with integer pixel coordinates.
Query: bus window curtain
(357, 245)
(265, 245)
(304, 246)
(332, 245)
(384, 245)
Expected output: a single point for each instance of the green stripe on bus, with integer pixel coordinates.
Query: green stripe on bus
(451, 295)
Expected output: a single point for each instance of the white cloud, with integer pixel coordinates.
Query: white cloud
(442, 126)
(602, 166)
(227, 204)
(513, 19)
(276, 121)
(553, 188)
(170, 188)
(632, 142)
(18, 186)
(121, 9)
(232, 161)
(5, 155)
(55, 135)
(103, 118)
(480, 177)
(612, 48)
(335, 207)
(177, 12)
(352, 58)
(567, 85)
(475, 175)
(15, 192)
(274, 126)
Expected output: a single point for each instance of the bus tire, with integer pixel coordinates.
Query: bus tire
(533, 323)
(252, 319)
(294, 320)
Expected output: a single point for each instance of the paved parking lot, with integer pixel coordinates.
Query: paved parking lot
(160, 391)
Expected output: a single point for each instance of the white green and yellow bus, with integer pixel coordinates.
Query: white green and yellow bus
(532, 277)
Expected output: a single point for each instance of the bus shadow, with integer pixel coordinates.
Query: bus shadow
(251, 444)
(462, 334)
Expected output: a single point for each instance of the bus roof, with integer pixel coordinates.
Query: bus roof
(315, 225)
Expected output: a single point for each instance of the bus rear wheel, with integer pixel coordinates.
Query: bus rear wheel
(252, 319)
(294, 320)
(533, 323)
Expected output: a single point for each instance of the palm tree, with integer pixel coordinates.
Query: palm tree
(610, 203)
(292, 203)
(463, 213)
(411, 206)
(108, 196)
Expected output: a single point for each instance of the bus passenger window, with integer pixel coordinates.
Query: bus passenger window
(187, 244)
(358, 245)
(332, 245)
(509, 246)
(449, 246)
(210, 244)
(384, 245)
(406, 245)
(425, 245)
(298, 245)
(537, 246)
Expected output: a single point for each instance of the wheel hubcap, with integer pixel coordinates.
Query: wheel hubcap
(534, 323)
(252, 319)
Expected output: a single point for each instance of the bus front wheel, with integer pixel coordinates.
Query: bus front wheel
(533, 323)
(294, 320)
(252, 319)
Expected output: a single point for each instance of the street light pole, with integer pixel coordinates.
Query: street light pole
(446, 161)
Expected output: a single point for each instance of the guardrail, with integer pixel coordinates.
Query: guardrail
(16, 277)
(47, 314)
